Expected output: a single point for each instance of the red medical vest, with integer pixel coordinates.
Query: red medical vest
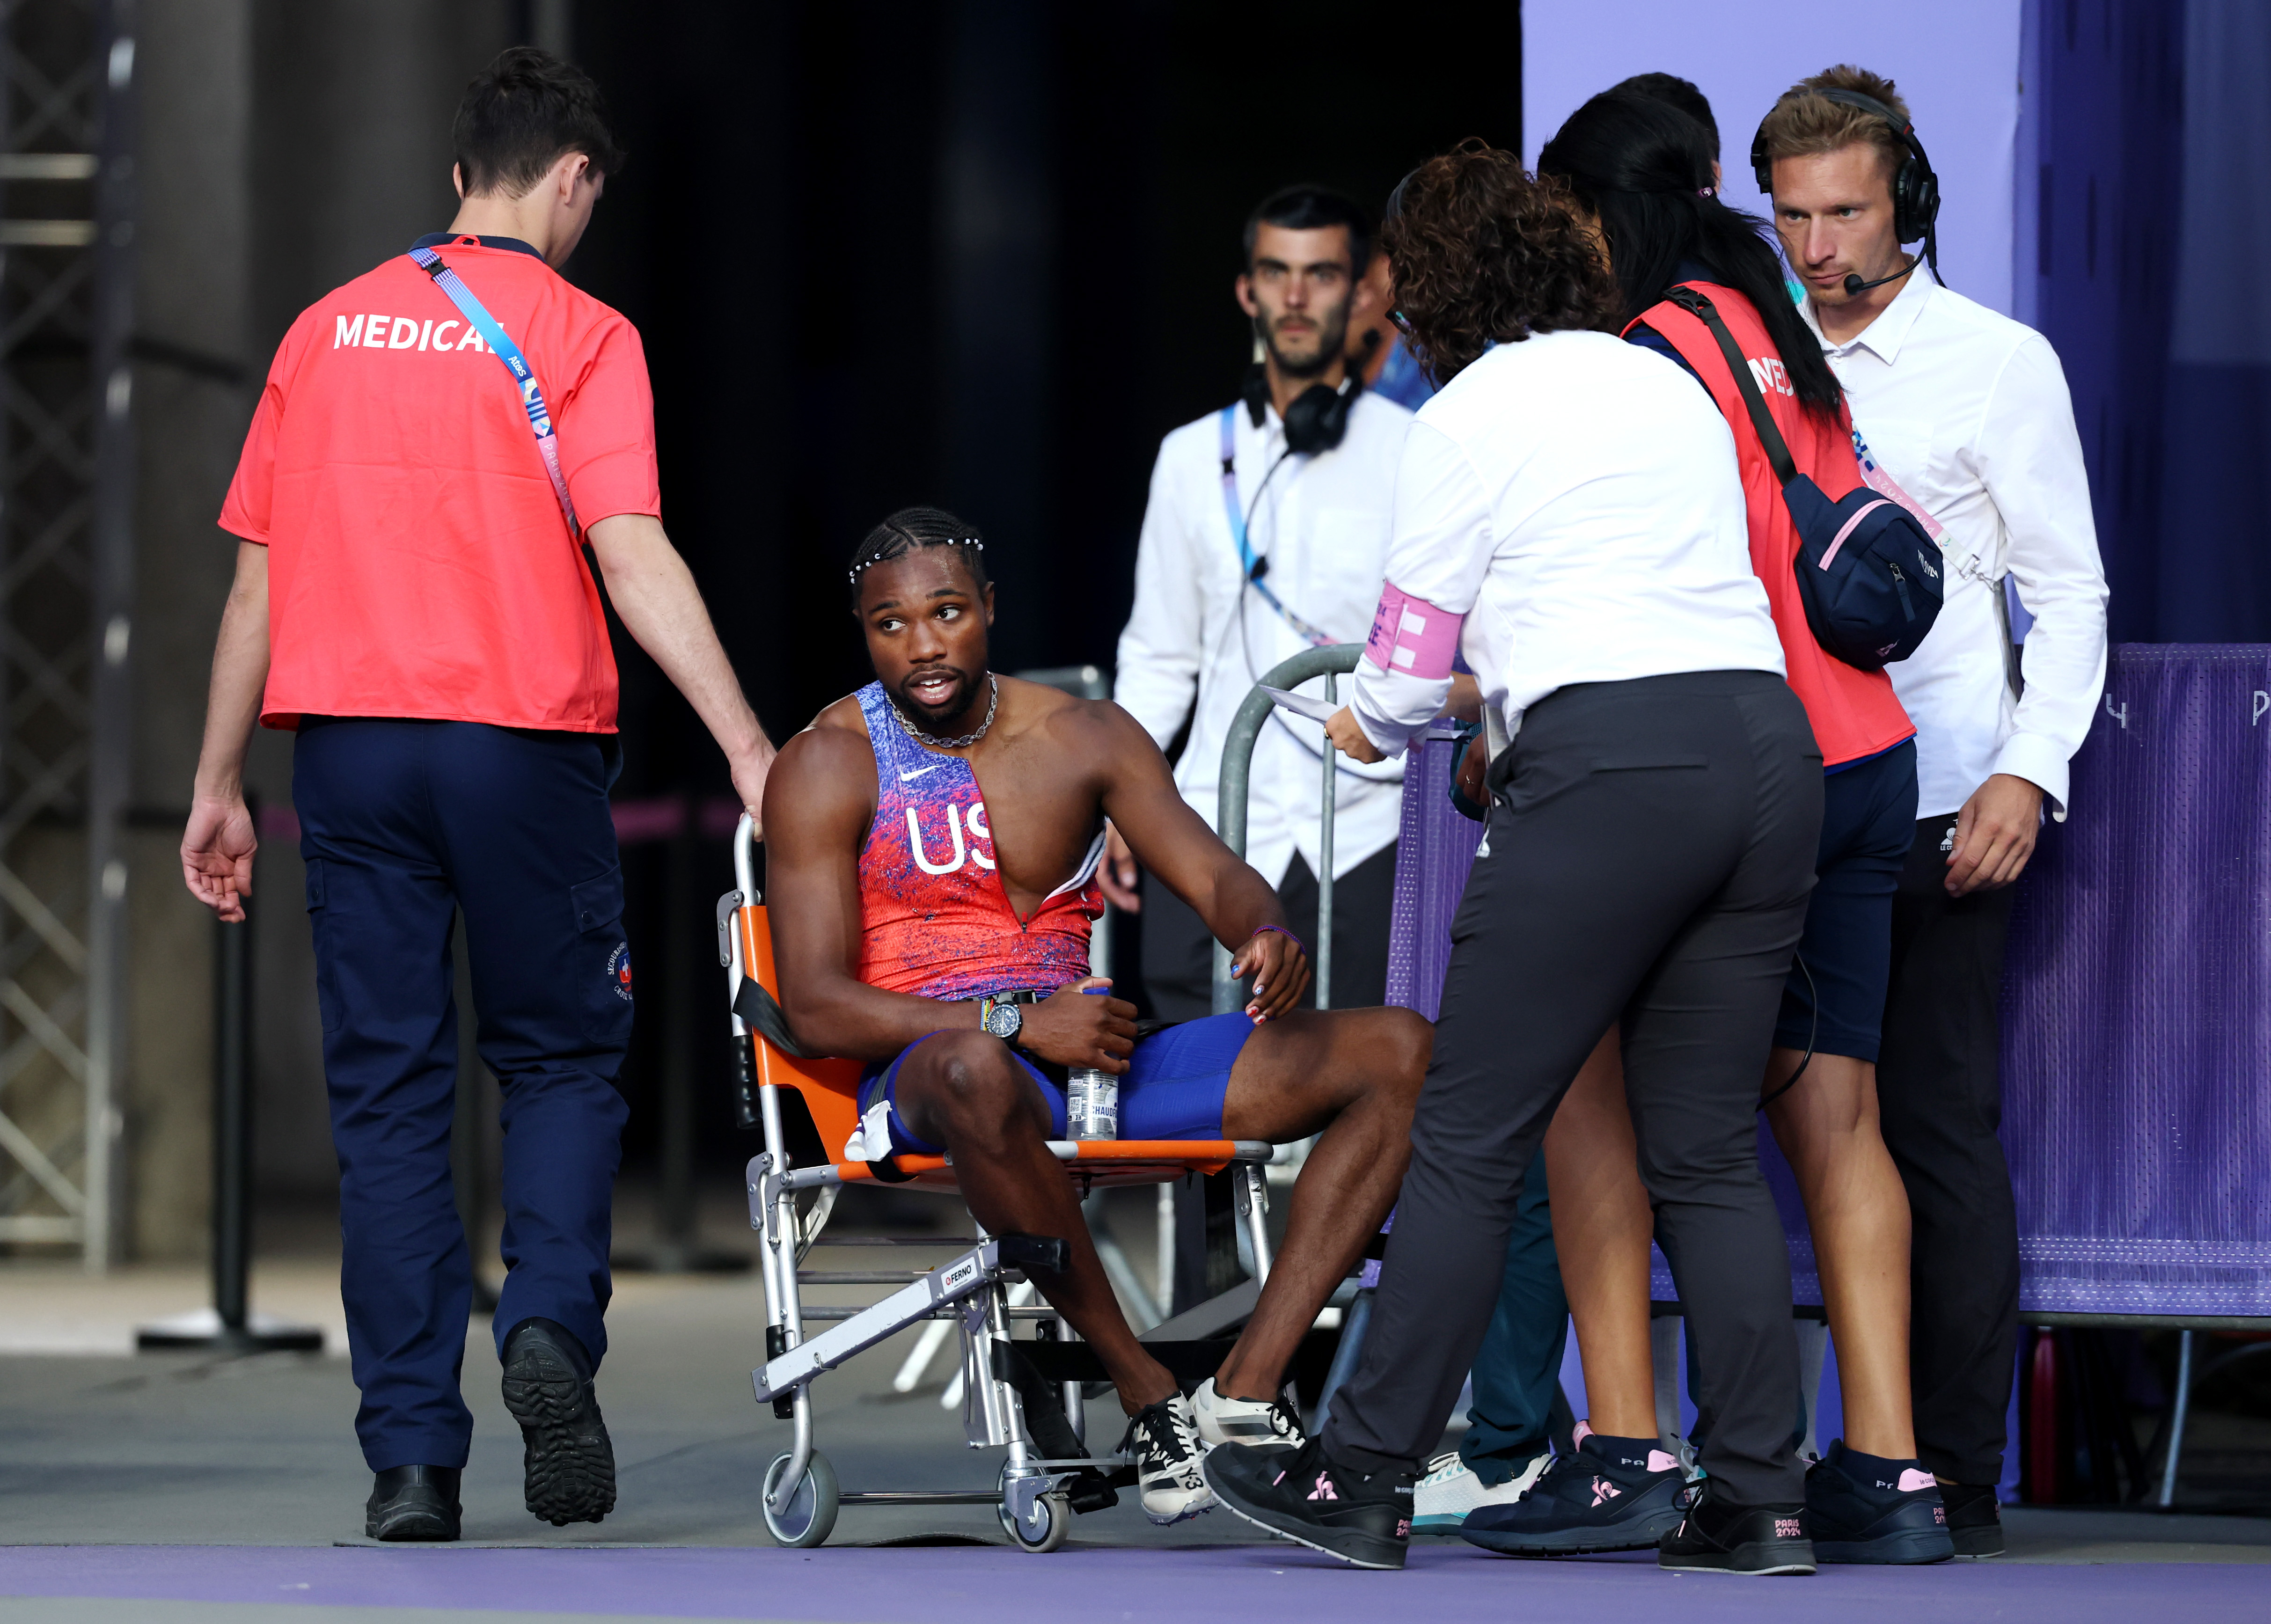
(1855, 713)
(418, 563)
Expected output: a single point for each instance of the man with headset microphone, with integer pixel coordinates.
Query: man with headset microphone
(1266, 532)
(1964, 415)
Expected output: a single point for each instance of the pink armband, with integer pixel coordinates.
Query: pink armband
(1411, 635)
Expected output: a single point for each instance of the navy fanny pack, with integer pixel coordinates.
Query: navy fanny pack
(1869, 576)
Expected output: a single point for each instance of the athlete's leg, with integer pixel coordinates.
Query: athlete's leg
(964, 1089)
(1827, 1125)
(1858, 1212)
(1602, 1225)
(1354, 1073)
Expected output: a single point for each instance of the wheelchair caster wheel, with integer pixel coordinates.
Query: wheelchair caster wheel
(807, 1515)
(1045, 1530)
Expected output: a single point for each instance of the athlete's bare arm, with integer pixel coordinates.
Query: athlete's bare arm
(819, 799)
(1174, 843)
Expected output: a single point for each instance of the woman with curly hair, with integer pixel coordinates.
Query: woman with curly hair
(1569, 517)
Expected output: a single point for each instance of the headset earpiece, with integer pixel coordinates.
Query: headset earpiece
(1317, 420)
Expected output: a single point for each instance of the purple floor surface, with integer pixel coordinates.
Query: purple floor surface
(1231, 1584)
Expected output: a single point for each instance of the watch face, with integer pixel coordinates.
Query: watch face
(1003, 1021)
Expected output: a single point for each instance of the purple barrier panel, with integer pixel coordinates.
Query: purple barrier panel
(2137, 1001)
(1435, 849)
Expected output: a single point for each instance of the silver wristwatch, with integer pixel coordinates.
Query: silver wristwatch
(1004, 1021)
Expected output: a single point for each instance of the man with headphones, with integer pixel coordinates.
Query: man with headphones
(1963, 415)
(1266, 534)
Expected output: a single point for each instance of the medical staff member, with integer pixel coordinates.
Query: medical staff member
(1964, 415)
(1265, 535)
(411, 596)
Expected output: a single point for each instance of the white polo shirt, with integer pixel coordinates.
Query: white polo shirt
(1576, 499)
(1968, 411)
(1197, 631)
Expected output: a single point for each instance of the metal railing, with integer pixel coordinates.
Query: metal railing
(1237, 768)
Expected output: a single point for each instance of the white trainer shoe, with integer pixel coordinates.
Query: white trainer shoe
(1266, 1424)
(1164, 1440)
(1442, 1499)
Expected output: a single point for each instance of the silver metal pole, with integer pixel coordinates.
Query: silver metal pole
(2176, 1417)
(1237, 769)
(1325, 802)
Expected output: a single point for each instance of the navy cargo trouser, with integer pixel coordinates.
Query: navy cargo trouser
(403, 824)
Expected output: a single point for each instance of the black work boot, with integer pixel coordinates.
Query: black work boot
(569, 1465)
(412, 1503)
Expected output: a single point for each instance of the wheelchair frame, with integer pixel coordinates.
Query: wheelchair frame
(800, 1493)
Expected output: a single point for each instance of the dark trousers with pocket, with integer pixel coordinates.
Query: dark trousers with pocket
(1939, 1099)
(403, 823)
(1651, 854)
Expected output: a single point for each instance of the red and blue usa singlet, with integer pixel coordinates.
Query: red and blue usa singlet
(934, 920)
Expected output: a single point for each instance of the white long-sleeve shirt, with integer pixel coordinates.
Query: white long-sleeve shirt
(1968, 411)
(1575, 497)
(1323, 522)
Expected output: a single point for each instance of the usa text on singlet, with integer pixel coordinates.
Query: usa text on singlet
(934, 918)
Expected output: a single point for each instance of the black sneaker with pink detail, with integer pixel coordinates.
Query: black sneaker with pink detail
(1718, 1536)
(1361, 1518)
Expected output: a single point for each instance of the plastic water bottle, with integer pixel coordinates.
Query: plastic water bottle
(1092, 1102)
(1093, 1098)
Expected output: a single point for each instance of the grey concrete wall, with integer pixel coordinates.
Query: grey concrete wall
(287, 146)
(193, 393)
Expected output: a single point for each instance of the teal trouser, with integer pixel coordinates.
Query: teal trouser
(1518, 1370)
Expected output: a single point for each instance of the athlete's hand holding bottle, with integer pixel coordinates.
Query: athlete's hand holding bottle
(1071, 1027)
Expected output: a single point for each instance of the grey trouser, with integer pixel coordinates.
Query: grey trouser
(1651, 854)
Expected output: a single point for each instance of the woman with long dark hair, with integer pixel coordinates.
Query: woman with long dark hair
(1569, 517)
(1641, 173)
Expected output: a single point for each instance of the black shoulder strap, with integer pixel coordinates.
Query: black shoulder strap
(1777, 451)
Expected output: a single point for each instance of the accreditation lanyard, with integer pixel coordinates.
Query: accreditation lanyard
(524, 377)
(1250, 568)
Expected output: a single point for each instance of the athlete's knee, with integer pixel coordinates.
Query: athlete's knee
(1396, 1045)
(976, 1084)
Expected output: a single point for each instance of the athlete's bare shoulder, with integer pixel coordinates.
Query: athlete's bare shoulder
(1092, 733)
(824, 775)
(843, 716)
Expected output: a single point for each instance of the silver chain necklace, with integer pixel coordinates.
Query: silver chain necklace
(921, 737)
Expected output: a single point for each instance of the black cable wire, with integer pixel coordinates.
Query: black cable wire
(1813, 1001)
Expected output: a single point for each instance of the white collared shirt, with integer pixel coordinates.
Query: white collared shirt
(1576, 499)
(1323, 522)
(1969, 412)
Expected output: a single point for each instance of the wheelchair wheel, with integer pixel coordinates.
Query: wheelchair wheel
(1050, 1520)
(809, 1516)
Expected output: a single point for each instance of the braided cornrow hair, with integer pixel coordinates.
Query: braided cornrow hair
(910, 528)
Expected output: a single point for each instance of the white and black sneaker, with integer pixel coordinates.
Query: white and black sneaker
(1265, 1423)
(1164, 1440)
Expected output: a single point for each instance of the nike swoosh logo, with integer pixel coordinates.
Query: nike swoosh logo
(919, 771)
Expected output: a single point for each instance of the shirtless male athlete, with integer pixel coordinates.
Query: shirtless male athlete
(910, 902)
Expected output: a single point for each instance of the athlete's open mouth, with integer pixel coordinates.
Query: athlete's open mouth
(933, 689)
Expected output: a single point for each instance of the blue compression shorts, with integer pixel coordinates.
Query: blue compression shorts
(1173, 1087)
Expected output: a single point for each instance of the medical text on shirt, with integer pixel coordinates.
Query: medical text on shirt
(377, 330)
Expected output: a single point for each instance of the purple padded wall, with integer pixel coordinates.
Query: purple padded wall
(2137, 996)
(1435, 849)
(2137, 1001)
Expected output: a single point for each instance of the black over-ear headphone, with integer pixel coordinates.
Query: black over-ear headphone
(1916, 189)
(1317, 419)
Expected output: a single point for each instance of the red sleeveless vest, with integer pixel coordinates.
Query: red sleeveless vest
(1855, 713)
